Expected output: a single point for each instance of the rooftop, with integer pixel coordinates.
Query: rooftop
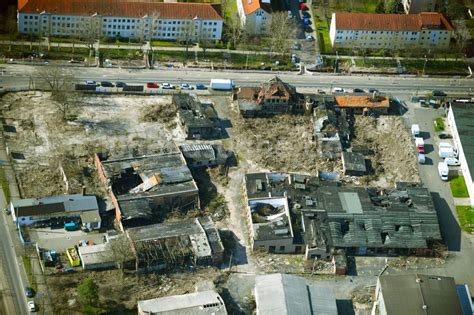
(464, 117)
(270, 219)
(420, 294)
(95, 254)
(353, 162)
(368, 101)
(206, 302)
(391, 22)
(286, 294)
(117, 8)
(250, 6)
(55, 204)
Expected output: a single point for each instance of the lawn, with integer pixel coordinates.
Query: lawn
(322, 29)
(436, 67)
(164, 43)
(439, 124)
(466, 218)
(458, 187)
(29, 272)
(366, 6)
(378, 63)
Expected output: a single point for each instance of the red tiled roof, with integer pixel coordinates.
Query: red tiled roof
(124, 8)
(361, 101)
(391, 22)
(250, 6)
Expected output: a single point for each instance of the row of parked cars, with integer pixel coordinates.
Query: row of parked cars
(356, 90)
(149, 85)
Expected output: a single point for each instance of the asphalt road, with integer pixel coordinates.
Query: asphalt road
(19, 75)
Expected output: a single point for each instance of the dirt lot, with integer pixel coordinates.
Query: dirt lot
(59, 152)
(394, 156)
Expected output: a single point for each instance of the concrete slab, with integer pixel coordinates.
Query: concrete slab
(60, 239)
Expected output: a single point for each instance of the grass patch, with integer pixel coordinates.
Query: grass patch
(29, 272)
(322, 30)
(466, 218)
(65, 40)
(436, 66)
(5, 185)
(377, 63)
(439, 124)
(458, 187)
(164, 43)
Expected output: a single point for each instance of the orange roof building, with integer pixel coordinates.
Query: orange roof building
(124, 18)
(363, 103)
(390, 31)
(255, 15)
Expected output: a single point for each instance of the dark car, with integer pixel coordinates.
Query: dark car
(200, 86)
(120, 84)
(359, 91)
(308, 29)
(438, 93)
(29, 292)
(444, 135)
(152, 85)
(106, 84)
(372, 90)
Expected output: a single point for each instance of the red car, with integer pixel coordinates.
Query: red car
(303, 7)
(152, 85)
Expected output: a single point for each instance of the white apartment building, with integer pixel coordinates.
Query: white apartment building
(255, 15)
(418, 6)
(113, 18)
(428, 30)
(460, 117)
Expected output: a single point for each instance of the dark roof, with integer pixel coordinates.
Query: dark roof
(119, 8)
(407, 294)
(464, 117)
(55, 204)
(353, 162)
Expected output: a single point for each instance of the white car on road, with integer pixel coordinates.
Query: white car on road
(452, 161)
(31, 306)
(167, 86)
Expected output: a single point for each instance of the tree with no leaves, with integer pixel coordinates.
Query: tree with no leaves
(235, 32)
(461, 34)
(60, 85)
(120, 251)
(283, 31)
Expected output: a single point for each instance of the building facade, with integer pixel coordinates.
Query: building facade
(115, 18)
(427, 30)
(255, 15)
(418, 6)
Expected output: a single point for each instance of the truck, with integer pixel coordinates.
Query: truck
(420, 145)
(443, 170)
(222, 84)
(445, 149)
(415, 130)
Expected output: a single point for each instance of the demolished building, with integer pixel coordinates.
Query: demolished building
(270, 98)
(167, 245)
(325, 216)
(205, 155)
(143, 188)
(198, 120)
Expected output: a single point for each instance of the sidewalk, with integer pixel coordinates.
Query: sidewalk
(462, 201)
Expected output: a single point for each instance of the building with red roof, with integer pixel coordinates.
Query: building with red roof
(118, 18)
(255, 15)
(428, 30)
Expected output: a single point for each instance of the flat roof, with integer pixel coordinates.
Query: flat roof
(192, 304)
(464, 117)
(55, 204)
(418, 294)
(95, 254)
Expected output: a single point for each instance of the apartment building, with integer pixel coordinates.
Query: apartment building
(418, 6)
(255, 15)
(113, 18)
(427, 30)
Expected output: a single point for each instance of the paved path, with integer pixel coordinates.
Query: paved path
(462, 201)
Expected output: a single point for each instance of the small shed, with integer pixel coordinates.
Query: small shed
(353, 164)
(96, 257)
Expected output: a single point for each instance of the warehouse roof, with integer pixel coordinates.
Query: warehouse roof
(286, 294)
(119, 8)
(55, 204)
(419, 294)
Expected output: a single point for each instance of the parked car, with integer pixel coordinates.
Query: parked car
(415, 130)
(31, 306)
(309, 38)
(308, 29)
(167, 86)
(152, 85)
(91, 82)
(356, 90)
(120, 84)
(445, 135)
(106, 84)
(372, 90)
(452, 161)
(303, 7)
(338, 90)
(438, 93)
(200, 86)
(306, 21)
(185, 86)
(29, 292)
(421, 158)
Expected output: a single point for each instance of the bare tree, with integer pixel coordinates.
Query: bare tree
(283, 31)
(235, 32)
(119, 249)
(91, 32)
(461, 34)
(60, 85)
(187, 36)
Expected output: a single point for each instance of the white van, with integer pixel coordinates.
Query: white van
(338, 90)
(415, 130)
(443, 171)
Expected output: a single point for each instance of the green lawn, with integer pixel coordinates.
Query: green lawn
(436, 67)
(466, 218)
(5, 185)
(458, 187)
(439, 124)
(29, 271)
(322, 29)
(367, 6)
(164, 43)
(377, 63)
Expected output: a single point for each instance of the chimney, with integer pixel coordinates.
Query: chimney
(83, 190)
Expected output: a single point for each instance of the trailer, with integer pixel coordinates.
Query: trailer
(222, 84)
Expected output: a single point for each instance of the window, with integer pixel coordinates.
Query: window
(271, 249)
(282, 248)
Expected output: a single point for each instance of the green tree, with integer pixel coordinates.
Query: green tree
(456, 10)
(88, 293)
(393, 6)
(380, 8)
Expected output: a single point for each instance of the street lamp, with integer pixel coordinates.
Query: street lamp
(424, 65)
